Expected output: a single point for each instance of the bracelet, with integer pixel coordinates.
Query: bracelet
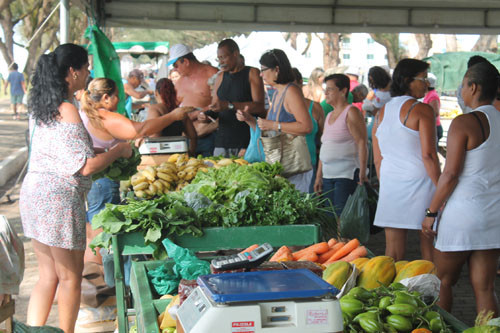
(279, 127)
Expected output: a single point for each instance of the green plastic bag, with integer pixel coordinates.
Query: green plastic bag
(355, 218)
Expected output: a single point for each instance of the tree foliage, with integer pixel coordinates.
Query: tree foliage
(390, 41)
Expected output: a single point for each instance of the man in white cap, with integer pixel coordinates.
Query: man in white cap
(193, 90)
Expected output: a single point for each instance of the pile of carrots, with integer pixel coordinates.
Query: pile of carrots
(323, 253)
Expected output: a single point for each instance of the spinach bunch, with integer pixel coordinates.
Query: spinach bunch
(157, 219)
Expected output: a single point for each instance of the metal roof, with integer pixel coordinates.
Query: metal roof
(417, 16)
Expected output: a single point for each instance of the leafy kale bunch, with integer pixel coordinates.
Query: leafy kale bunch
(122, 168)
(158, 218)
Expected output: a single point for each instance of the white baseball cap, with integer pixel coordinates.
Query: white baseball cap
(177, 51)
(431, 78)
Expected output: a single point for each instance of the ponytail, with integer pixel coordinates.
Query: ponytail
(91, 100)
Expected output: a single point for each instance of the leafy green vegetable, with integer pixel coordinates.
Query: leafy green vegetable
(122, 168)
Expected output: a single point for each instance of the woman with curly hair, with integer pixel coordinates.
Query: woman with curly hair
(52, 195)
(167, 101)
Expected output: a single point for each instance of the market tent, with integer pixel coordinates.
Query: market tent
(418, 16)
(450, 67)
(136, 49)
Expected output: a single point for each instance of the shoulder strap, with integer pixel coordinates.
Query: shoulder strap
(280, 104)
(408, 114)
(480, 124)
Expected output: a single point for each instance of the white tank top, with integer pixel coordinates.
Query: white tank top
(402, 158)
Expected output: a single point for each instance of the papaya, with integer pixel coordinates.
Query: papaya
(399, 265)
(378, 270)
(337, 273)
(360, 263)
(414, 268)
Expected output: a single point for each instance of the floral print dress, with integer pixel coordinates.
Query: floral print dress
(52, 200)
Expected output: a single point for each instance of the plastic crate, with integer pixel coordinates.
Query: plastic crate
(213, 239)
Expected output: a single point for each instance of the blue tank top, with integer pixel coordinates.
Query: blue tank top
(284, 116)
(311, 137)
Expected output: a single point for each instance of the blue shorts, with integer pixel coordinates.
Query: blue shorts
(16, 99)
(103, 191)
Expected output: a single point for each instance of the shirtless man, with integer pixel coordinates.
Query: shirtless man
(193, 90)
(134, 80)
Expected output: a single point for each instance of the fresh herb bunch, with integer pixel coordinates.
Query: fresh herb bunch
(122, 168)
(157, 219)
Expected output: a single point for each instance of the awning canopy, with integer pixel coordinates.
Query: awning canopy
(136, 49)
(417, 16)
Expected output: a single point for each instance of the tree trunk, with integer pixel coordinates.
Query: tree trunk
(7, 44)
(451, 43)
(391, 44)
(486, 43)
(424, 42)
(331, 49)
(309, 40)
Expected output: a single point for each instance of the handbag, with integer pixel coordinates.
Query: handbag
(288, 149)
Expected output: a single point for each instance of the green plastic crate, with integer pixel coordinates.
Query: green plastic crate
(213, 239)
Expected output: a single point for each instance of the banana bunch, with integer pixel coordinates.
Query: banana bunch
(153, 181)
(173, 175)
(227, 161)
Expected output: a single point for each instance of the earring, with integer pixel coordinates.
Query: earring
(75, 77)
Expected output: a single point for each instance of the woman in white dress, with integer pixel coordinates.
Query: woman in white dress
(468, 230)
(404, 151)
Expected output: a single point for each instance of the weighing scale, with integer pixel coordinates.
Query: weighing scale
(164, 145)
(285, 301)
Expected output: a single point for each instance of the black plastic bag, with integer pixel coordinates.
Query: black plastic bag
(372, 206)
(355, 218)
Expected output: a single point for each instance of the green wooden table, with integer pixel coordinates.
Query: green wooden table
(213, 239)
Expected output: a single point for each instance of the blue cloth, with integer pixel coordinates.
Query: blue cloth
(338, 190)
(255, 151)
(103, 191)
(205, 145)
(15, 80)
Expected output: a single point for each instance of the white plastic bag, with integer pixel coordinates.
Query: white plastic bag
(11, 258)
(427, 285)
(350, 283)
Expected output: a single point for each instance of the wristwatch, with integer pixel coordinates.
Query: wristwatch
(428, 213)
(230, 105)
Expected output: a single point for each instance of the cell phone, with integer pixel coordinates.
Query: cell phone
(243, 260)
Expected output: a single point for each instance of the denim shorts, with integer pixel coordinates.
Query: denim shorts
(103, 191)
(337, 190)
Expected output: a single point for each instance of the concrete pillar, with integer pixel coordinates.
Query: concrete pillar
(64, 21)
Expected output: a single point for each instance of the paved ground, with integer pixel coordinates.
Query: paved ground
(12, 138)
(12, 132)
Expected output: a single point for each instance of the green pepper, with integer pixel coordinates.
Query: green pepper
(360, 293)
(347, 318)
(402, 309)
(370, 325)
(404, 298)
(400, 323)
(368, 314)
(384, 302)
(436, 325)
(389, 329)
(351, 306)
(429, 315)
(397, 286)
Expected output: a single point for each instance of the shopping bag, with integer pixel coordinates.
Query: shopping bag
(355, 218)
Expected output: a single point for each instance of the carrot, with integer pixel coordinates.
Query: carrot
(280, 253)
(327, 255)
(310, 256)
(355, 254)
(250, 248)
(287, 256)
(345, 250)
(332, 242)
(317, 248)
